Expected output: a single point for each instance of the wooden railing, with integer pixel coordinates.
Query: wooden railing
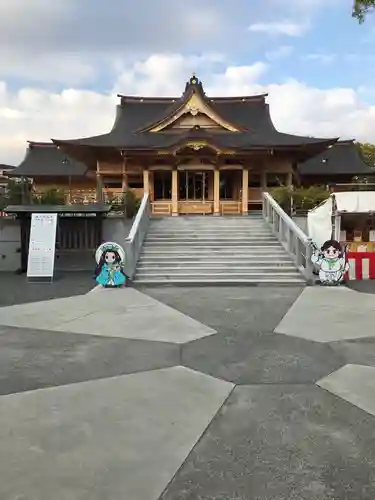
(89, 195)
(161, 207)
(230, 207)
(195, 207)
(292, 238)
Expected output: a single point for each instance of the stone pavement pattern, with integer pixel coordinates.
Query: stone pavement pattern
(192, 394)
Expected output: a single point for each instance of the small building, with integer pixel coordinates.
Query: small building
(193, 154)
(338, 164)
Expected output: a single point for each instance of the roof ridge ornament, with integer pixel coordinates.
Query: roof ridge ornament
(194, 82)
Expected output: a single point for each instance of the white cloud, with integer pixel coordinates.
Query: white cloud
(36, 114)
(163, 74)
(279, 53)
(322, 58)
(66, 69)
(286, 28)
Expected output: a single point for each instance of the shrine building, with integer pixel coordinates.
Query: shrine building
(193, 154)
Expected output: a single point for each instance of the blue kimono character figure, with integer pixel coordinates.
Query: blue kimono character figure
(109, 272)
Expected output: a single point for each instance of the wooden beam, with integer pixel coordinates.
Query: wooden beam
(174, 192)
(146, 181)
(245, 191)
(216, 192)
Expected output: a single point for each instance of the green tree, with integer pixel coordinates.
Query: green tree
(361, 8)
(52, 196)
(18, 192)
(367, 152)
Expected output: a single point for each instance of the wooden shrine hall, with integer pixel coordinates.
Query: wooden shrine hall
(193, 154)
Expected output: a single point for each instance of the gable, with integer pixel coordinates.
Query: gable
(195, 108)
(189, 121)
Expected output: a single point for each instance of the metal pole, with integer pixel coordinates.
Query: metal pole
(333, 216)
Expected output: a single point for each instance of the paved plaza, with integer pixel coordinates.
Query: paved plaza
(186, 393)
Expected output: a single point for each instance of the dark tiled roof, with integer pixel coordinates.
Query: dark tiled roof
(44, 159)
(250, 113)
(341, 159)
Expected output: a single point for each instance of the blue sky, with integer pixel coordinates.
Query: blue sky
(63, 62)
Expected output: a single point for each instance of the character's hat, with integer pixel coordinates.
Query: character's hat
(109, 245)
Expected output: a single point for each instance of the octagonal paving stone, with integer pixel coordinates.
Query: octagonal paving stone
(357, 352)
(266, 358)
(354, 383)
(34, 359)
(328, 314)
(281, 442)
(125, 313)
(116, 438)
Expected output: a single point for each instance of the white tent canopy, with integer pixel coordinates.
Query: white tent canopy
(355, 202)
(319, 219)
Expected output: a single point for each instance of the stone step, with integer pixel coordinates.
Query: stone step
(202, 237)
(209, 262)
(256, 247)
(212, 253)
(211, 243)
(210, 229)
(281, 282)
(212, 272)
(208, 233)
(193, 269)
(254, 214)
(210, 223)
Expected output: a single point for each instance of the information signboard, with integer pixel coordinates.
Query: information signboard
(41, 257)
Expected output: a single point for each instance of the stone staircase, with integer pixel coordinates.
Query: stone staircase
(214, 251)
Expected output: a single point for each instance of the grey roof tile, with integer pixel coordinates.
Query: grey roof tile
(341, 159)
(250, 113)
(44, 159)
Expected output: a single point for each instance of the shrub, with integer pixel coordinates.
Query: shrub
(18, 192)
(3, 201)
(307, 198)
(129, 203)
(53, 196)
(303, 198)
(282, 195)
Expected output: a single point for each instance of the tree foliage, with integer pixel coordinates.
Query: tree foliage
(304, 198)
(361, 8)
(367, 151)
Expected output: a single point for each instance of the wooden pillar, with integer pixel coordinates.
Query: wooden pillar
(124, 176)
(151, 182)
(216, 191)
(146, 181)
(245, 191)
(175, 192)
(99, 188)
(289, 179)
(263, 180)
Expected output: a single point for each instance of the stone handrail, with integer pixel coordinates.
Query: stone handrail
(292, 238)
(138, 231)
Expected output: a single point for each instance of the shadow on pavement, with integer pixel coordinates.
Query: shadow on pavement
(363, 286)
(15, 289)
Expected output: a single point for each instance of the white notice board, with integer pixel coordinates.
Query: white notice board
(41, 258)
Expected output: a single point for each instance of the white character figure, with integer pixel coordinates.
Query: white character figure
(332, 263)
